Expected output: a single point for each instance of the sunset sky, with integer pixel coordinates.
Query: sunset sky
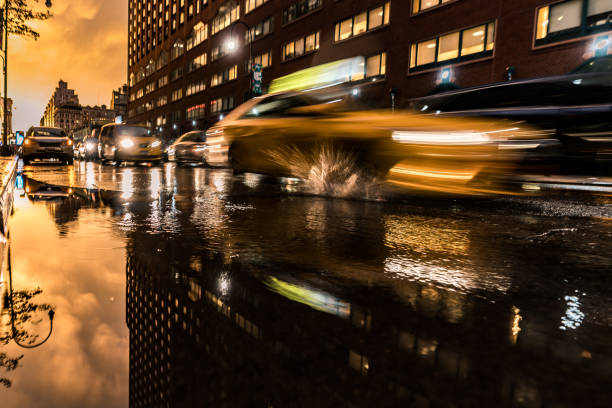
(84, 43)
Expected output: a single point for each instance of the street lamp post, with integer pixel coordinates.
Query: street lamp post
(5, 148)
(232, 46)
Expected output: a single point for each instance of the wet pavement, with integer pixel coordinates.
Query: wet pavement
(194, 287)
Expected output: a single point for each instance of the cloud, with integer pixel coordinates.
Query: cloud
(84, 43)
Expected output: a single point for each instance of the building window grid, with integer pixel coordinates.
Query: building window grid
(259, 30)
(368, 22)
(301, 46)
(488, 45)
(195, 87)
(222, 104)
(196, 112)
(299, 9)
(265, 60)
(420, 5)
(250, 5)
(570, 19)
(224, 20)
(229, 74)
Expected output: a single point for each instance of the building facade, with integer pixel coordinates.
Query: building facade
(97, 114)
(188, 59)
(119, 102)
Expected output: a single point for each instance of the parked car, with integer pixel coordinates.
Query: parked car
(47, 143)
(133, 143)
(189, 148)
(576, 108)
(308, 135)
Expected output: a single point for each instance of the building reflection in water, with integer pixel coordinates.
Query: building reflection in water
(217, 317)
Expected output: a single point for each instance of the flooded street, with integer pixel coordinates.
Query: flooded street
(180, 287)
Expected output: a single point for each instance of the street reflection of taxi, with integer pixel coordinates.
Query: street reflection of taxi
(301, 134)
(119, 143)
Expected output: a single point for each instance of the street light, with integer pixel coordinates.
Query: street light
(5, 148)
(231, 45)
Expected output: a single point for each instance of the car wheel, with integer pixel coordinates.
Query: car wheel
(233, 162)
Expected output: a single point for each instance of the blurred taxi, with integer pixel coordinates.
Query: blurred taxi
(189, 148)
(47, 143)
(295, 133)
(133, 143)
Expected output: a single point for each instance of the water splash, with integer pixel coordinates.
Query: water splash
(326, 169)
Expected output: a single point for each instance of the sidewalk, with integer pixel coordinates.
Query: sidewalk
(8, 173)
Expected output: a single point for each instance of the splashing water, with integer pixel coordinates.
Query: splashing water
(325, 169)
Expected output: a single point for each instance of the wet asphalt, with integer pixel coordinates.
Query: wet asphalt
(195, 287)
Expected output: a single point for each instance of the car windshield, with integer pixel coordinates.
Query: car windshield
(276, 106)
(597, 64)
(132, 131)
(193, 137)
(48, 133)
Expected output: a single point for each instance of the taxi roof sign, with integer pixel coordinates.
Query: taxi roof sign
(320, 76)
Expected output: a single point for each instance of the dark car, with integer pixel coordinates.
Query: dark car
(575, 108)
(47, 143)
(189, 148)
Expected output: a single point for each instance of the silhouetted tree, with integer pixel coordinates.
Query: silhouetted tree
(24, 312)
(21, 13)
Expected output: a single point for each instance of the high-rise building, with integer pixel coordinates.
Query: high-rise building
(188, 59)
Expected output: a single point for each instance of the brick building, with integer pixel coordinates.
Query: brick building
(183, 72)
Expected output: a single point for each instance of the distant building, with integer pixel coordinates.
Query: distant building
(93, 115)
(9, 109)
(63, 109)
(119, 102)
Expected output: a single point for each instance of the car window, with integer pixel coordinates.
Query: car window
(131, 131)
(48, 133)
(193, 137)
(276, 106)
(597, 64)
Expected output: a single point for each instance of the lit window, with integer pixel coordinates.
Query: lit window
(419, 5)
(362, 22)
(475, 42)
(301, 46)
(300, 8)
(376, 65)
(566, 20)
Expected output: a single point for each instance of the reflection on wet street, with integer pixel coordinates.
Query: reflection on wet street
(246, 291)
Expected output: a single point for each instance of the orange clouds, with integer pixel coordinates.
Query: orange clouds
(84, 43)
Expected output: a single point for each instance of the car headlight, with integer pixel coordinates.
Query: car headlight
(27, 142)
(90, 146)
(156, 143)
(440, 138)
(126, 143)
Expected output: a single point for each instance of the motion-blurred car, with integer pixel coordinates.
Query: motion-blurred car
(79, 150)
(91, 145)
(189, 148)
(575, 107)
(47, 143)
(312, 134)
(133, 143)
